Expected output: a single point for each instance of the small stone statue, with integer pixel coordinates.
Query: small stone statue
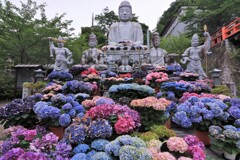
(194, 53)
(63, 56)
(157, 54)
(125, 67)
(136, 66)
(91, 56)
(112, 66)
(125, 32)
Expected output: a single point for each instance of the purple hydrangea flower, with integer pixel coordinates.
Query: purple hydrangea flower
(63, 150)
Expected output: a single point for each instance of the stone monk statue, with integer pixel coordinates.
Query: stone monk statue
(63, 56)
(125, 32)
(157, 55)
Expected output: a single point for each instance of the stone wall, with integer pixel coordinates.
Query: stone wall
(221, 58)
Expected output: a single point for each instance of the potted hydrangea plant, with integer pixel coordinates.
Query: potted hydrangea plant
(201, 113)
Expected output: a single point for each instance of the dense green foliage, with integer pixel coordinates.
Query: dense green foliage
(106, 18)
(6, 86)
(26, 37)
(176, 44)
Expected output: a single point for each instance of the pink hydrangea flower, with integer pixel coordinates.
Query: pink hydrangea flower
(177, 144)
(30, 134)
(165, 156)
(124, 124)
(184, 158)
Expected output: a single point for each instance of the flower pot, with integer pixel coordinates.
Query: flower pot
(217, 151)
(58, 131)
(229, 156)
(168, 123)
(203, 136)
(214, 148)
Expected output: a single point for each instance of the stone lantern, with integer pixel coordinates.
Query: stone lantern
(9, 65)
(39, 75)
(215, 74)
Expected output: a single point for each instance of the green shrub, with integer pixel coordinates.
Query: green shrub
(6, 86)
(222, 89)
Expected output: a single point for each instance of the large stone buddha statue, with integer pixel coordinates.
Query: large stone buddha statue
(125, 32)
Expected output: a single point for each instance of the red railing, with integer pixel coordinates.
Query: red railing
(226, 32)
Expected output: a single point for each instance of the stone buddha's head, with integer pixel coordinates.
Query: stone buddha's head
(125, 11)
(92, 41)
(155, 39)
(195, 40)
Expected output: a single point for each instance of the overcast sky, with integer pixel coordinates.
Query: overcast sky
(80, 11)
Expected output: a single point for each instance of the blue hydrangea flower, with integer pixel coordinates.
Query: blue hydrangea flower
(58, 99)
(208, 115)
(81, 148)
(72, 113)
(113, 88)
(215, 130)
(112, 148)
(99, 144)
(103, 100)
(69, 98)
(170, 95)
(159, 95)
(91, 154)
(79, 108)
(64, 120)
(80, 115)
(39, 105)
(101, 156)
(234, 111)
(237, 122)
(125, 140)
(79, 156)
(196, 119)
(67, 107)
(99, 128)
(181, 119)
(231, 127)
(238, 144)
(46, 112)
(137, 142)
(144, 154)
(129, 153)
(75, 134)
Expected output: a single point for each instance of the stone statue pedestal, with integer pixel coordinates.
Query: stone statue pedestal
(134, 55)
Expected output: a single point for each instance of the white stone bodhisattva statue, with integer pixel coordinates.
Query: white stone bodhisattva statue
(92, 56)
